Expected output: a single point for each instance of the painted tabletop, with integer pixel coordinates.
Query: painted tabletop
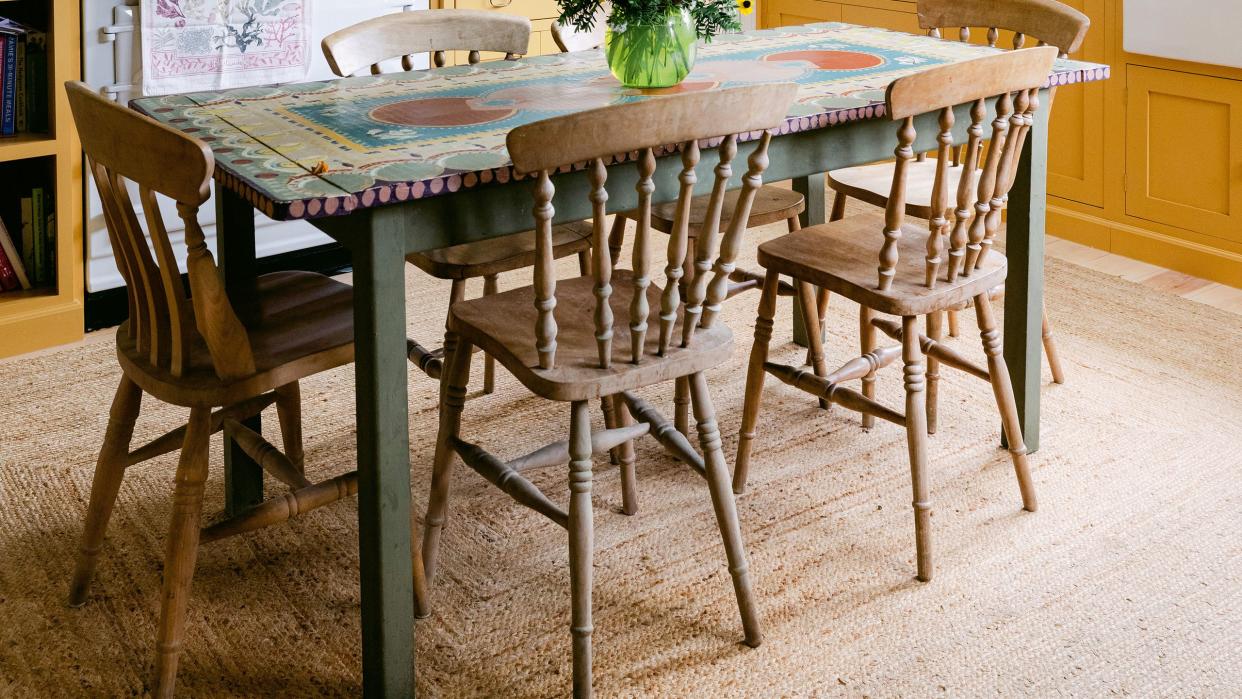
(328, 148)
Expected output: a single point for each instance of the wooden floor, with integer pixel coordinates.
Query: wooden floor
(1220, 296)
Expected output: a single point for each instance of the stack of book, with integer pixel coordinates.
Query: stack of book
(29, 261)
(23, 79)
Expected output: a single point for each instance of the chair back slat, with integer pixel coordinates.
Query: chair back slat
(402, 34)
(705, 245)
(642, 127)
(992, 79)
(678, 244)
(123, 146)
(641, 260)
(938, 222)
(1053, 22)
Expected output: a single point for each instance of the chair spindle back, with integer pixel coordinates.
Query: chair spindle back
(123, 146)
(991, 78)
(1051, 22)
(403, 34)
(596, 136)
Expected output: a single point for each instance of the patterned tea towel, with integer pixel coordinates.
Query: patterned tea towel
(195, 45)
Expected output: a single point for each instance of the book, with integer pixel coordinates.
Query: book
(39, 222)
(37, 97)
(9, 111)
(14, 260)
(8, 278)
(4, 46)
(20, 106)
(28, 234)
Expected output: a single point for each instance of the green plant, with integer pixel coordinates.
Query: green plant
(710, 17)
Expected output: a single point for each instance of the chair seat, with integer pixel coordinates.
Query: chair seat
(872, 184)
(299, 323)
(487, 257)
(843, 257)
(772, 204)
(504, 326)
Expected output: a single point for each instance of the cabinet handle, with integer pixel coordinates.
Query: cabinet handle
(500, 3)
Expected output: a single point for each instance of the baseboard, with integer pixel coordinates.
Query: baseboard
(1149, 246)
(105, 309)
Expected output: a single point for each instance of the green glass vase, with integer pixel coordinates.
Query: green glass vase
(652, 55)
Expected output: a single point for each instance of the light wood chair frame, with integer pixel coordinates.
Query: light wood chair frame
(195, 352)
(684, 338)
(948, 278)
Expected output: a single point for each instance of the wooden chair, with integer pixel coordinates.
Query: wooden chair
(1054, 24)
(368, 44)
(915, 277)
(772, 204)
(201, 352)
(590, 355)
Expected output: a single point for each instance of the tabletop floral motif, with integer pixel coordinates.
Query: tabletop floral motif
(372, 140)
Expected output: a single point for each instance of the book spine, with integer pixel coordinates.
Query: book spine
(4, 51)
(10, 85)
(9, 247)
(8, 277)
(28, 245)
(39, 222)
(49, 238)
(37, 66)
(23, 90)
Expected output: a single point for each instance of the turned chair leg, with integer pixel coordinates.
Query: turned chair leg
(609, 408)
(838, 207)
(793, 223)
(935, 331)
(289, 412)
(109, 470)
(725, 507)
(916, 438)
(681, 405)
(181, 549)
(581, 545)
(584, 262)
(453, 385)
(953, 329)
(1005, 402)
(1050, 351)
(755, 375)
(616, 237)
(625, 454)
(867, 342)
(490, 287)
(814, 333)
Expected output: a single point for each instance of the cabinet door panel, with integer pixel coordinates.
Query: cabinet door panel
(1184, 151)
(1076, 139)
(783, 13)
(886, 19)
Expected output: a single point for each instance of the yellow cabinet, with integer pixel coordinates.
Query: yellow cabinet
(1184, 151)
(1076, 141)
(783, 13)
(902, 19)
(541, 13)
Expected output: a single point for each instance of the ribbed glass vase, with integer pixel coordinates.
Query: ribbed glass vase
(652, 55)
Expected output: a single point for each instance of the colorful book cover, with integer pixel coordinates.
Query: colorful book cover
(10, 86)
(9, 247)
(8, 278)
(39, 221)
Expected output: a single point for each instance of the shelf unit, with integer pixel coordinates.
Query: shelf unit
(43, 317)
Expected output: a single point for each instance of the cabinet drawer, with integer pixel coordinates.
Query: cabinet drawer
(1184, 151)
(534, 9)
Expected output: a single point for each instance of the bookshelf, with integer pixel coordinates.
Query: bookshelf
(51, 313)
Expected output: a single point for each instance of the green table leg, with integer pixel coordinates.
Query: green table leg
(383, 456)
(1024, 288)
(243, 478)
(811, 187)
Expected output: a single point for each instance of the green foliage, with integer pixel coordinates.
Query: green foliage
(711, 17)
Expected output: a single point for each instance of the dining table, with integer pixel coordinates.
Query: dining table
(406, 162)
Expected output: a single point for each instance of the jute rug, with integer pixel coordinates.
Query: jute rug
(1128, 581)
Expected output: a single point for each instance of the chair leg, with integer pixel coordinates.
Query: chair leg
(838, 207)
(1005, 402)
(452, 399)
(584, 262)
(581, 545)
(725, 507)
(916, 438)
(1050, 351)
(490, 287)
(109, 470)
(935, 331)
(608, 408)
(625, 452)
(681, 405)
(616, 237)
(755, 376)
(793, 223)
(182, 549)
(953, 329)
(814, 333)
(289, 412)
(867, 341)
